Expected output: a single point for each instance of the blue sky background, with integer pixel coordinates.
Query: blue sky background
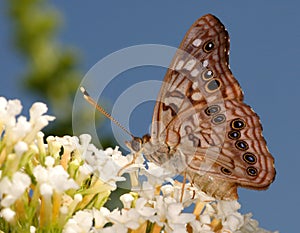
(264, 57)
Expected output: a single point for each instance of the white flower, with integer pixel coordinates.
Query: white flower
(176, 219)
(199, 227)
(20, 148)
(161, 209)
(11, 190)
(167, 190)
(145, 211)
(32, 229)
(37, 119)
(116, 228)
(46, 190)
(127, 164)
(54, 146)
(55, 178)
(18, 130)
(147, 190)
(64, 210)
(205, 219)
(156, 175)
(103, 165)
(126, 200)
(186, 196)
(233, 222)
(8, 214)
(37, 110)
(100, 217)
(85, 140)
(227, 207)
(113, 152)
(49, 161)
(231, 219)
(69, 143)
(251, 225)
(81, 222)
(128, 218)
(78, 197)
(109, 172)
(84, 172)
(9, 110)
(69, 204)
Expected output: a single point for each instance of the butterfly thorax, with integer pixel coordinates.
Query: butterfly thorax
(160, 153)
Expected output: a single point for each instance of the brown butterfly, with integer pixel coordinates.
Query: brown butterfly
(201, 126)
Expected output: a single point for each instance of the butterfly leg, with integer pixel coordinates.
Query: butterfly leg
(135, 155)
(183, 186)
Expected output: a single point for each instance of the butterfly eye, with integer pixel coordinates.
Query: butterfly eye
(238, 124)
(208, 74)
(234, 134)
(136, 144)
(252, 171)
(226, 171)
(218, 119)
(249, 158)
(146, 138)
(212, 110)
(208, 46)
(241, 145)
(213, 85)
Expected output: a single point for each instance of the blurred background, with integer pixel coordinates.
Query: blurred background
(46, 48)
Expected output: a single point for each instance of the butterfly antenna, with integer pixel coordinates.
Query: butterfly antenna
(89, 99)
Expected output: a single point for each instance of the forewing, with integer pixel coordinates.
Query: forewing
(198, 74)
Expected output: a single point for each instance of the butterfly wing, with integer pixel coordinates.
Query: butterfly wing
(199, 71)
(223, 144)
(198, 114)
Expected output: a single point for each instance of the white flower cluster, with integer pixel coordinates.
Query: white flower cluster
(164, 213)
(18, 129)
(65, 183)
(17, 135)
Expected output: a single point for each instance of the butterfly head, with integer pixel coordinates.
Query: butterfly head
(136, 143)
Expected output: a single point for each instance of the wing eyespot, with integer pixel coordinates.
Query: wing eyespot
(208, 46)
(238, 124)
(241, 145)
(252, 171)
(249, 158)
(212, 110)
(207, 75)
(213, 85)
(226, 171)
(234, 134)
(218, 119)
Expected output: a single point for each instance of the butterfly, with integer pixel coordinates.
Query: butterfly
(201, 127)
